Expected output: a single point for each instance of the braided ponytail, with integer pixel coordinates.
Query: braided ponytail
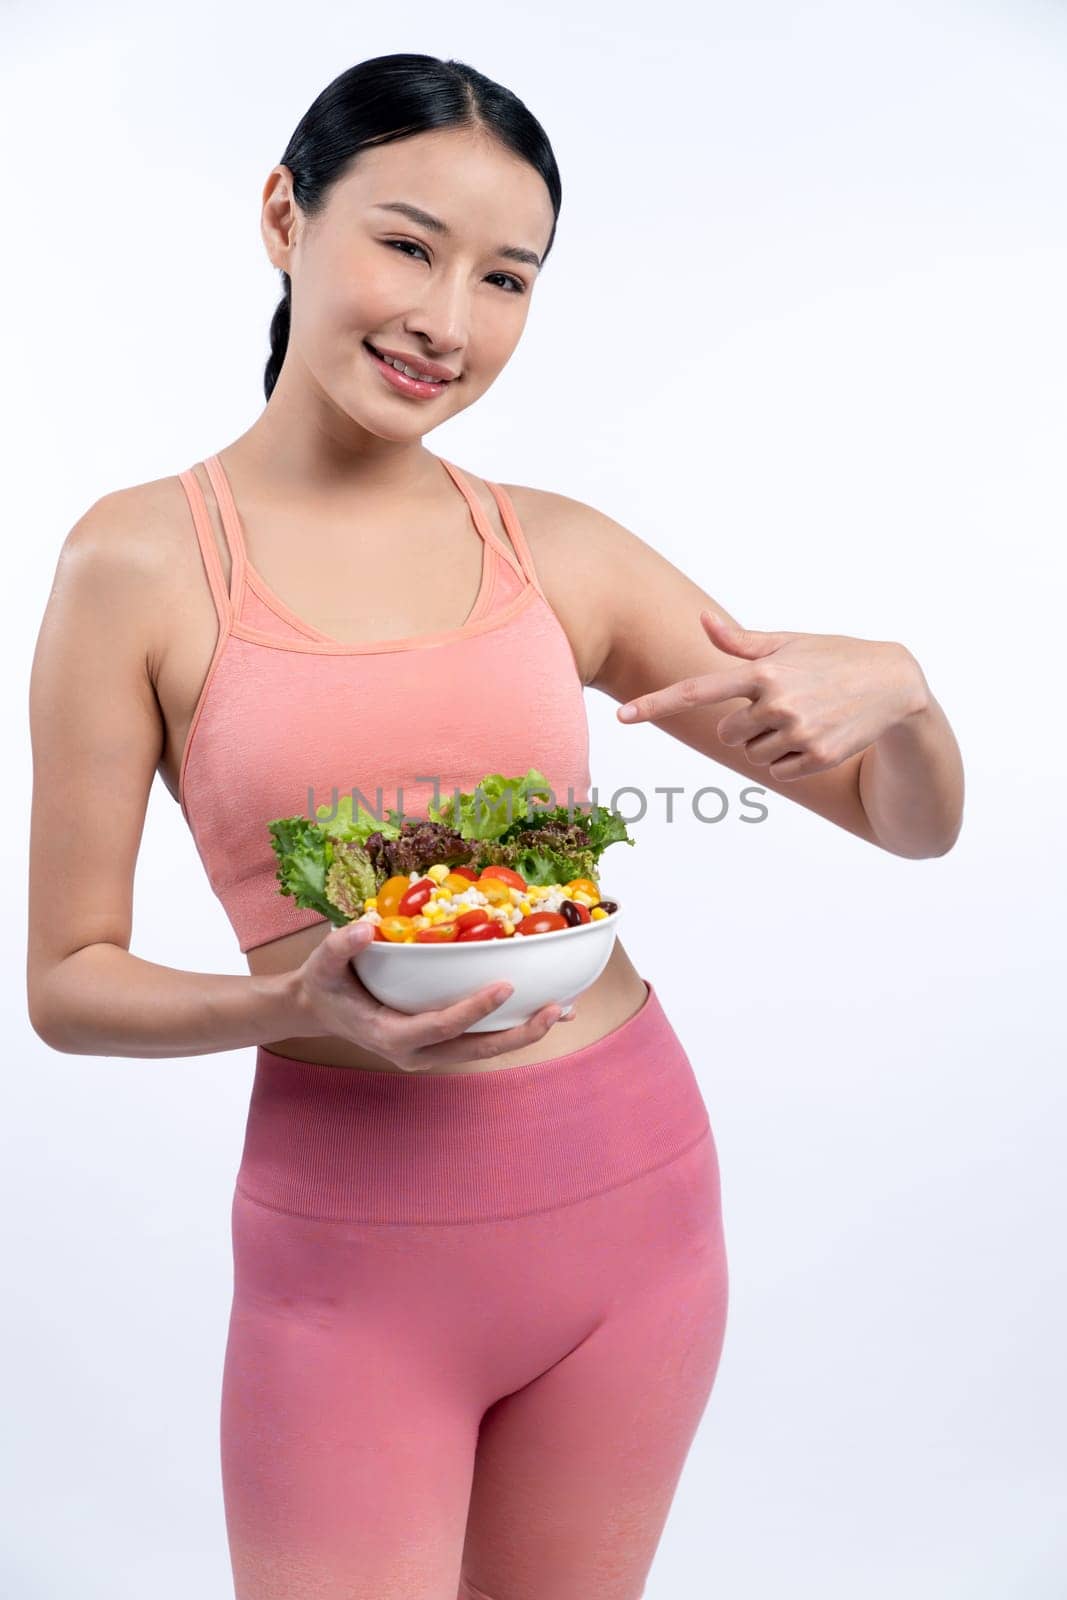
(279, 336)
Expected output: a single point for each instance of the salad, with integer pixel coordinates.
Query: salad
(494, 863)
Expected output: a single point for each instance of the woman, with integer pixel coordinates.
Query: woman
(480, 1279)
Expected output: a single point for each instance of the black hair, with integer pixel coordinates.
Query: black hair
(394, 97)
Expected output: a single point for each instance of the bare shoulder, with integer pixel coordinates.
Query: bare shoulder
(131, 553)
(555, 520)
(130, 534)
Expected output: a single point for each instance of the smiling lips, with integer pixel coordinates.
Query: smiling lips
(413, 366)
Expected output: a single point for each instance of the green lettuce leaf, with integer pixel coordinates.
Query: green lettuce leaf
(541, 863)
(305, 855)
(493, 806)
(350, 879)
(355, 829)
(598, 827)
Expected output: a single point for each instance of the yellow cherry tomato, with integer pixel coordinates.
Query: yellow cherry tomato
(456, 883)
(397, 929)
(582, 886)
(391, 893)
(496, 891)
(444, 933)
(516, 880)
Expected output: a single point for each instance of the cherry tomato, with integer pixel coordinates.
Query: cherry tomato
(480, 930)
(574, 912)
(379, 936)
(496, 891)
(396, 928)
(471, 918)
(583, 886)
(506, 875)
(441, 933)
(413, 900)
(391, 893)
(456, 883)
(541, 922)
(465, 872)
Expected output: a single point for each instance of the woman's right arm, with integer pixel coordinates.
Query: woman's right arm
(97, 735)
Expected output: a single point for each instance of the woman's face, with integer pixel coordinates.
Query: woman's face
(451, 295)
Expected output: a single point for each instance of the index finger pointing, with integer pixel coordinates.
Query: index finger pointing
(706, 690)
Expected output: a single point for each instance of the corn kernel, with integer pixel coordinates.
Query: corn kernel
(508, 927)
(438, 893)
(581, 899)
(437, 872)
(434, 916)
(598, 914)
(371, 904)
(525, 907)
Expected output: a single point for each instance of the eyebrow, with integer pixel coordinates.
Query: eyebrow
(512, 252)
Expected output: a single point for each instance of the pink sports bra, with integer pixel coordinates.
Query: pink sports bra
(289, 719)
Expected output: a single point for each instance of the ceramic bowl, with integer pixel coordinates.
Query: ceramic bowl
(541, 967)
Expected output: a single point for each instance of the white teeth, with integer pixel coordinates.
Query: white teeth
(410, 371)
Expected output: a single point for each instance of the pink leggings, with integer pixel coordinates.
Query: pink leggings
(476, 1322)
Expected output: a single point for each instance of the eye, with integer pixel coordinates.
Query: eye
(409, 244)
(520, 288)
(405, 244)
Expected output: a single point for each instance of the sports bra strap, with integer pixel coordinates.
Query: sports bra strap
(481, 521)
(226, 603)
(208, 548)
(515, 533)
(231, 526)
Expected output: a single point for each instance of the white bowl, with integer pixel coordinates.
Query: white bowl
(541, 967)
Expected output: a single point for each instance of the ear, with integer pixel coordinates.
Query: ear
(280, 219)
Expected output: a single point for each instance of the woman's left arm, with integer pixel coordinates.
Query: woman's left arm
(817, 701)
(846, 727)
(911, 781)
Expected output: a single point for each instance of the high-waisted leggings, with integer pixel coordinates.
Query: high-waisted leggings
(476, 1321)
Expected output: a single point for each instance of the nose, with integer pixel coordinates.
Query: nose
(442, 318)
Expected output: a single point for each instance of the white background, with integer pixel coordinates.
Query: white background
(850, 220)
